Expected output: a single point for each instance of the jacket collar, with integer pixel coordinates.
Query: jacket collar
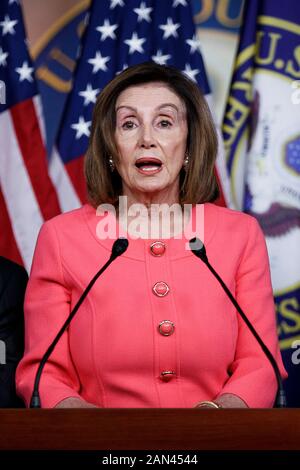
(202, 223)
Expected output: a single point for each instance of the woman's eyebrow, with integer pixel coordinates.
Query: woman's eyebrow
(164, 105)
(124, 106)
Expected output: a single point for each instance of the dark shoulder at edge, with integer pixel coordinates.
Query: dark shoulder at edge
(10, 269)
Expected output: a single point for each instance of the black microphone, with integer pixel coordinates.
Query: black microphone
(119, 247)
(198, 249)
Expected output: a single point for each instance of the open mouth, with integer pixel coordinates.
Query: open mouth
(148, 165)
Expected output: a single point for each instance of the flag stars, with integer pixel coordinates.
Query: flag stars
(3, 57)
(99, 62)
(191, 73)
(86, 19)
(179, 2)
(135, 44)
(107, 30)
(194, 44)
(81, 127)
(143, 12)
(114, 3)
(169, 29)
(8, 25)
(161, 59)
(25, 72)
(125, 66)
(89, 94)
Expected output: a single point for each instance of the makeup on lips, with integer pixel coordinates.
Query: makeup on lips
(148, 165)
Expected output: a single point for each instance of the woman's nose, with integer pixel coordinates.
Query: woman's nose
(146, 136)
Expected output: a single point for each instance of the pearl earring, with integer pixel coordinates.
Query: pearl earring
(111, 164)
(186, 162)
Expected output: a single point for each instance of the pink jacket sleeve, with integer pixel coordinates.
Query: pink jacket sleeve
(47, 305)
(252, 376)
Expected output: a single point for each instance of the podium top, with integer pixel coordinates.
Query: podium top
(150, 428)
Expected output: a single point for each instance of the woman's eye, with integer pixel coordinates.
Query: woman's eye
(128, 125)
(165, 123)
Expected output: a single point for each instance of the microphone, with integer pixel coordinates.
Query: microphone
(119, 247)
(198, 249)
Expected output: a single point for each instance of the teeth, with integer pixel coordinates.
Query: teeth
(149, 168)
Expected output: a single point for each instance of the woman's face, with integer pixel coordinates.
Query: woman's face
(151, 137)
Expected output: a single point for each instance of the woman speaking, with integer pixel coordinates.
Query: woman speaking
(156, 329)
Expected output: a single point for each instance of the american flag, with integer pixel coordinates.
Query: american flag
(27, 195)
(121, 33)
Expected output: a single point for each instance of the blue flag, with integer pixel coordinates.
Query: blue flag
(261, 132)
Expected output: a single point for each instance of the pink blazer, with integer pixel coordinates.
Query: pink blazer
(155, 331)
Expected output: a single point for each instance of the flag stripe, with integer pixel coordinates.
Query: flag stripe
(68, 198)
(24, 211)
(64, 188)
(29, 137)
(75, 172)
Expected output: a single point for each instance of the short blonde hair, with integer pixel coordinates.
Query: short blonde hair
(198, 184)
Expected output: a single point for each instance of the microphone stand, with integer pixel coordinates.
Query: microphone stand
(119, 247)
(198, 249)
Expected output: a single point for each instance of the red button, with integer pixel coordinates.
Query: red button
(157, 248)
(166, 328)
(161, 289)
(167, 375)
